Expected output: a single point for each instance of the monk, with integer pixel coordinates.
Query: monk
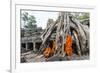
(68, 46)
(49, 51)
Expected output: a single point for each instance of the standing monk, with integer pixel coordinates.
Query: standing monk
(68, 46)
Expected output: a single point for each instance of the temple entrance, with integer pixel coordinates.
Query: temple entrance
(23, 47)
(30, 46)
(37, 45)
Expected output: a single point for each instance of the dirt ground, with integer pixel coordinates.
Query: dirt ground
(30, 57)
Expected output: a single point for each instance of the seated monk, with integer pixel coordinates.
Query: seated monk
(49, 51)
(68, 46)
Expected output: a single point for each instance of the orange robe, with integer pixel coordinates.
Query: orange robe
(49, 51)
(68, 46)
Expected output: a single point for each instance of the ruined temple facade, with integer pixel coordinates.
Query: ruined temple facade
(30, 43)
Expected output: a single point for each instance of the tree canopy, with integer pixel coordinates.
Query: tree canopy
(29, 23)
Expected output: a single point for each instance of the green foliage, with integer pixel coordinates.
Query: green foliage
(32, 19)
(83, 16)
(29, 23)
(25, 16)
